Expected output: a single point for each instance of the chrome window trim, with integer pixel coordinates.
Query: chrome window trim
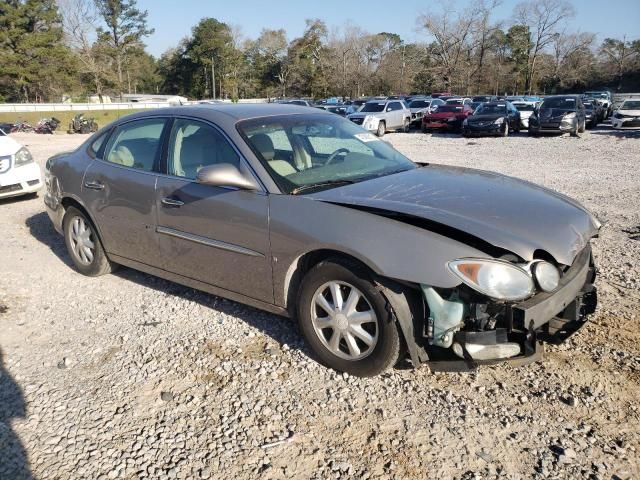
(230, 247)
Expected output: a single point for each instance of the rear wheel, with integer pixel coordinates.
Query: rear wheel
(346, 320)
(381, 129)
(83, 244)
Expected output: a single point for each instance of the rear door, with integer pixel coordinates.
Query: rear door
(119, 190)
(216, 235)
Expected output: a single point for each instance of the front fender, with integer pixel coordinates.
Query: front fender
(390, 248)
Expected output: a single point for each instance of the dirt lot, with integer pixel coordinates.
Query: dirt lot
(129, 376)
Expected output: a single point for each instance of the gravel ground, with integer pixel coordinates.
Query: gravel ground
(130, 376)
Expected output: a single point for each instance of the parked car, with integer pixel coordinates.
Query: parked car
(474, 105)
(526, 109)
(484, 98)
(337, 109)
(446, 117)
(19, 173)
(492, 118)
(458, 101)
(442, 94)
(605, 98)
(593, 113)
(380, 116)
(420, 106)
(356, 105)
(558, 114)
(304, 214)
(627, 116)
(297, 101)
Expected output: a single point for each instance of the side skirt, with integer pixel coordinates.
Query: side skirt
(198, 285)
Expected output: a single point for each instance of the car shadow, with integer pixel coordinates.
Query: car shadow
(608, 130)
(42, 230)
(280, 329)
(14, 463)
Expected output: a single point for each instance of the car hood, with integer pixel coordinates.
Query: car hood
(438, 114)
(365, 114)
(8, 146)
(485, 118)
(419, 109)
(634, 113)
(502, 211)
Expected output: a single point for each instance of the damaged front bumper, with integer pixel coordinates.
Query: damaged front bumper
(518, 335)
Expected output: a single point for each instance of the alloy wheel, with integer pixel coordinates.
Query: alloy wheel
(344, 320)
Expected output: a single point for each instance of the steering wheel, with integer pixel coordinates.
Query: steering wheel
(333, 156)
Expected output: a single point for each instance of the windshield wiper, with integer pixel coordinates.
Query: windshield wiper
(328, 183)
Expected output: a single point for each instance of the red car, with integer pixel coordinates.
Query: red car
(446, 117)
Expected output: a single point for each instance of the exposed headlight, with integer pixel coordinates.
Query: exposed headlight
(568, 116)
(23, 156)
(495, 278)
(547, 276)
(499, 121)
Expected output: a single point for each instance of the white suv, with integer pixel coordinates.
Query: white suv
(380, 116)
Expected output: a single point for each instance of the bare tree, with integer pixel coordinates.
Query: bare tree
(545, 19)
(79, 21)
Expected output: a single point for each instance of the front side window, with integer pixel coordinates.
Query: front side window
(393, 106)
(136, 144)
(327, 150)
(194, 145)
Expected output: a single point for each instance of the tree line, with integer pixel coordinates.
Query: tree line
(52, 48)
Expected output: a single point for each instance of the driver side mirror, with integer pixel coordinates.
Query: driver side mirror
(225, 175)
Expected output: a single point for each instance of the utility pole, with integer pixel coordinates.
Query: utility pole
(213, 77)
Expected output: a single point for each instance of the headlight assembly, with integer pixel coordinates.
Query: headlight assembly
(495, 278)
(547, 276)
(23, 157)
(569, 116)
(499, 121)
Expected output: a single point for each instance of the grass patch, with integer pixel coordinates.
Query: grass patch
(103, 117)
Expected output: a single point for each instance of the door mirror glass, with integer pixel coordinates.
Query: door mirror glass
(225, 175)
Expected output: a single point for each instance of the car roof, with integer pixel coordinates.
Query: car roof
(232, 112)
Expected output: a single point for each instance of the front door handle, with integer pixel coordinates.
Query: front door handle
(94, 185)
(172, 202)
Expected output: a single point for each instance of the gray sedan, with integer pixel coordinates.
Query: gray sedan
(302, 213)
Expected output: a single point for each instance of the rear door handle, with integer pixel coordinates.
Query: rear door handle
(94, 185)
(172, 202)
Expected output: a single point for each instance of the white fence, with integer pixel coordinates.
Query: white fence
(67, 107)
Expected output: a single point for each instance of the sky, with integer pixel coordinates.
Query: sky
(173, 19)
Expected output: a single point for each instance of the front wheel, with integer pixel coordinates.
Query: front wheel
(505, 130)
(83, 244)
(346, 320)
(406, 127)
(582, 127)
(382, 128)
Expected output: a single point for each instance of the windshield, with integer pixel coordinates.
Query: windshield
(373, 107)
(596, 95)
(567, 103)
(302, 151)
(419, 104)
(489, 109)
(481, 98)
(631, 105)
(524, 107)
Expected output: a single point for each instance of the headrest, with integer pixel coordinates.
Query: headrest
(264, 145)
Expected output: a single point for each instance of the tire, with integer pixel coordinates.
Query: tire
(505, 133)
(363, 359)
(406, 127)
(90, 261)
(582, 127)
(382, 128)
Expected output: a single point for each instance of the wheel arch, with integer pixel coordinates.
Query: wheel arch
(72, 201)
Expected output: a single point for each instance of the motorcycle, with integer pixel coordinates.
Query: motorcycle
(21, 127)
(47, 125)
(80, 124)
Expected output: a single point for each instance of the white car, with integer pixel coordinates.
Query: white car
(526, 108)
(379, 116)
(627, 116)
(19, 173)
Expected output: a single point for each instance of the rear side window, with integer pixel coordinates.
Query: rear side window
(96, 145)
(136, 144)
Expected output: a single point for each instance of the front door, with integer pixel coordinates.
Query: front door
(119, 190)
(212, 234)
